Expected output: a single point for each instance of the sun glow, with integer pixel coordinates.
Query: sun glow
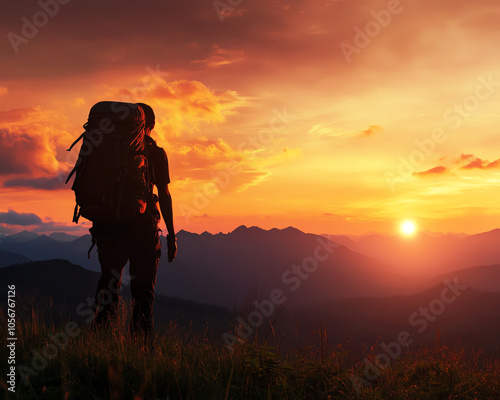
(408, 228)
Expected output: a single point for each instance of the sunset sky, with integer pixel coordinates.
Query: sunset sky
(333, 116)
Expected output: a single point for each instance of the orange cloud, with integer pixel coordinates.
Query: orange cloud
(329, 131)
(473, 162)
(463, 157)
(79, 102)
(199, 161)
(203, 153)
(183, 110)
(433, 171)
(224, 10)
(181, 106)
(16, 116)
(220, 57)
(30, 140)
(371, 130)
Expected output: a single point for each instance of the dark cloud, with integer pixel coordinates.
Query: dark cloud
(297, 41)
(45, 183)
(23, 219)
(175, 33)
(108, 34)
(7, 230)
(11, 218)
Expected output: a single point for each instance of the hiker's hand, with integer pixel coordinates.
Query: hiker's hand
(172, 247)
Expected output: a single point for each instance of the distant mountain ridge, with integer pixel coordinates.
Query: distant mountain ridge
(471, 318)
(23, 236)
(70, 288)
(485, 278)
(55, 246)
(60, 279)
(8, 258)
(430, 253)
(63, 237)
(223, 268)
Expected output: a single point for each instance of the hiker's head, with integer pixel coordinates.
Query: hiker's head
(150, 117)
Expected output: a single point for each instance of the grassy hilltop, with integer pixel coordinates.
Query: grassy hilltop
(70, 361)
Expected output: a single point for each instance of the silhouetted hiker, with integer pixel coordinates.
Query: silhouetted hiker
(118, 166)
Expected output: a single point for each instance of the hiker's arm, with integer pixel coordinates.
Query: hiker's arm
(165, 201)
(166, 208)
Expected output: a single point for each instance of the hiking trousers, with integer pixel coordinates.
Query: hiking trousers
(115, 246)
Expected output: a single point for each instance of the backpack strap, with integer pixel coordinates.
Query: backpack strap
(85, 126)
(76, 141)
(70, 174)
(150, 144)
(76, 213)
(94, 241)
(152, 198)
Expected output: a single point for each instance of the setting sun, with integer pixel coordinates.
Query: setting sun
(408, 227)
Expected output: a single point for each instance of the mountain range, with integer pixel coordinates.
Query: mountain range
(427, 253)
(57, 288)
(8, 258)
(60, 289)
(223, 269)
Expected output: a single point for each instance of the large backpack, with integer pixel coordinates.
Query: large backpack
(112, 175)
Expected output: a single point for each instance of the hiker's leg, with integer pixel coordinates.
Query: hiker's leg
(143, 267)
(112, 257)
